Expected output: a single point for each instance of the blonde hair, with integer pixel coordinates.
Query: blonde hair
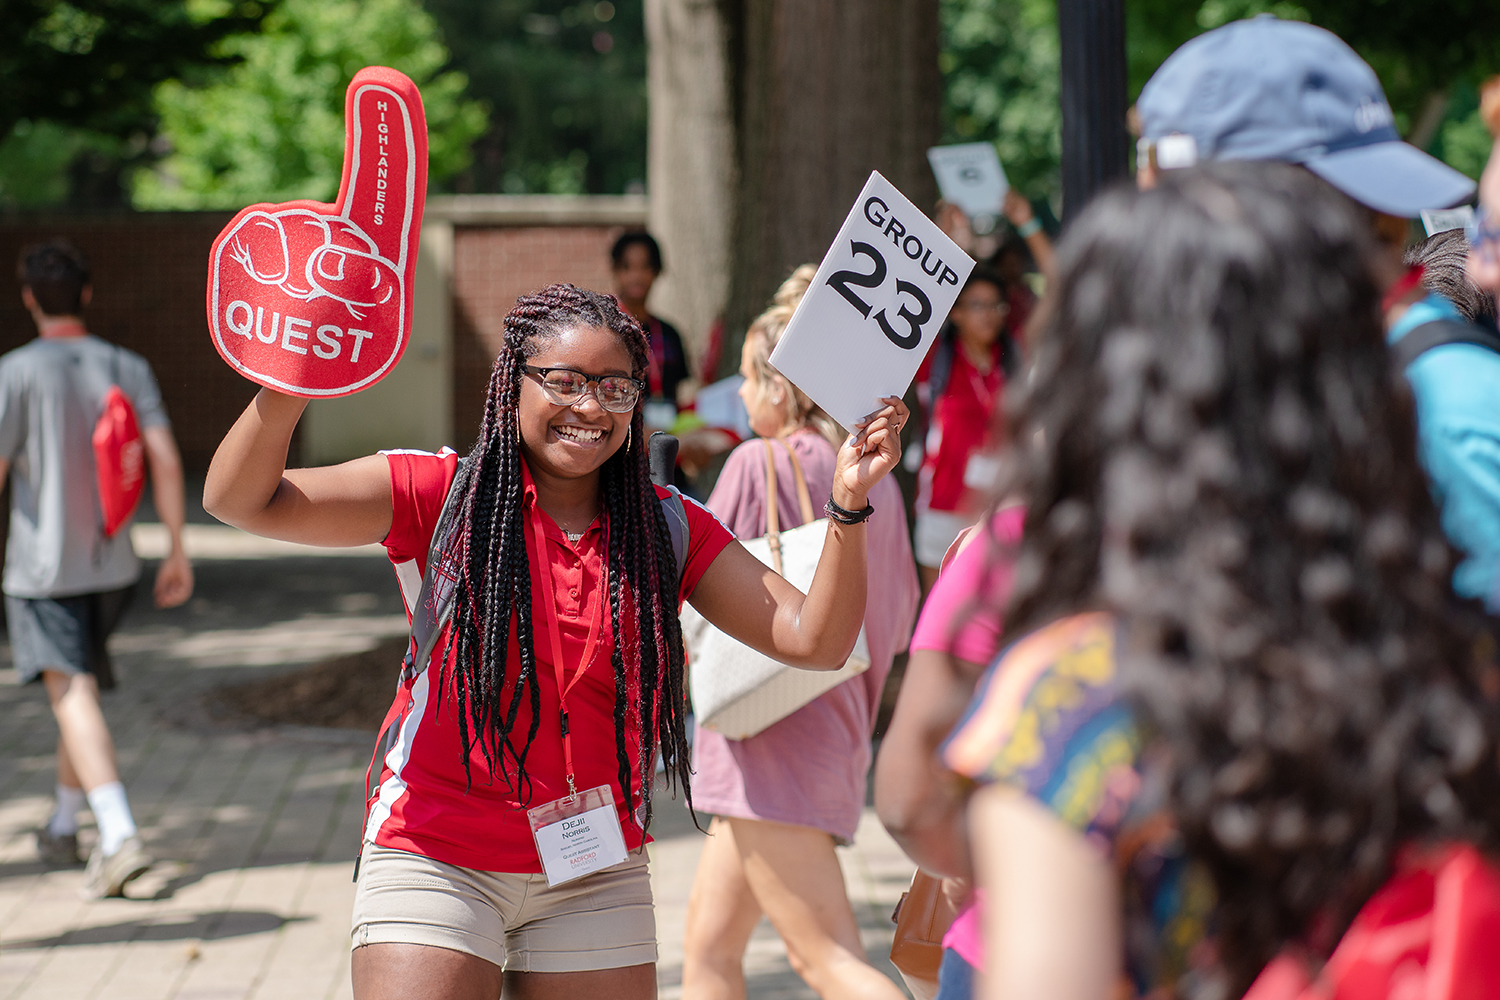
(798, 408)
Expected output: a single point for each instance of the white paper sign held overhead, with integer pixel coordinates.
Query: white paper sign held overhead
(1443, 219)
(970, 176)
(875, 306)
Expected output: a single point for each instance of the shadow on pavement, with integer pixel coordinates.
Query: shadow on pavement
(209, 926)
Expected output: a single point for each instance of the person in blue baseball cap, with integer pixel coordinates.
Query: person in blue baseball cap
(1268, 89)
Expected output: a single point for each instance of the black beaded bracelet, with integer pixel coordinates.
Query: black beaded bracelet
(843, 516)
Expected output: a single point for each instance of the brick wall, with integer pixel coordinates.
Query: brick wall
(149, 273)
(492, 267)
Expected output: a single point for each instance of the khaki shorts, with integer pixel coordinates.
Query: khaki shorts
(601, 921)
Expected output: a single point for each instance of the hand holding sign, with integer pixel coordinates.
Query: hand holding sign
(970, 176)
(313, 299)
(875, 306)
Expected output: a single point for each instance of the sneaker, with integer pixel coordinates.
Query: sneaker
(57, 850)
(107, 874)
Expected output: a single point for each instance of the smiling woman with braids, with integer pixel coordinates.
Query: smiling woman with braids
(1236, 687)
(561, 665)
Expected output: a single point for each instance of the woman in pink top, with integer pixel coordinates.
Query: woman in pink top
(920, 801)
(786, 796)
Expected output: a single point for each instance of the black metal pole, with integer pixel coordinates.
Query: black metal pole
(1094, 138)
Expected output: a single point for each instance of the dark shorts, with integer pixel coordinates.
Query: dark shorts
(69, 634)
(955, 977)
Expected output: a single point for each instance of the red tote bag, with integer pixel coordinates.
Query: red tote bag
(119, 460)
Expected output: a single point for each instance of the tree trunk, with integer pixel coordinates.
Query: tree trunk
(690, 163)
(814, 95)
(824, 92)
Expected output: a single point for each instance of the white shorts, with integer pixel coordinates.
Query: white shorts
(935, 531)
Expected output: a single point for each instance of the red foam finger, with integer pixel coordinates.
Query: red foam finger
(314, 299)
(385, 160)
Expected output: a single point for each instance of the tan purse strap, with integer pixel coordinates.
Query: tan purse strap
(804, 498)
(773, 517)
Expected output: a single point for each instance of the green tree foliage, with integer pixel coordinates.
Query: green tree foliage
(76, 84)
(1000, 63)
(271, 127)
(93, 63)
(1429, 57)
(566, 86)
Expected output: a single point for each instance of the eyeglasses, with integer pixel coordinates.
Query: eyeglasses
(983, 307)
(1483, 234)
(568, 387)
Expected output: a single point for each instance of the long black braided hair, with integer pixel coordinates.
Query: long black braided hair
(486, 556)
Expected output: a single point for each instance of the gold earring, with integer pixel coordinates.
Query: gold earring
(627, 436)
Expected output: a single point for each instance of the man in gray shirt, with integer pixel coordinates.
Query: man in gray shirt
(66, 583)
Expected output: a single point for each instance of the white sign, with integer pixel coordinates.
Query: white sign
(971, 177)
(875, 306)
(1443, 219)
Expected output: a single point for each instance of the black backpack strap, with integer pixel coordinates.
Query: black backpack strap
(428, 616)
(1421, 339)
(677, 525)
(435, 600)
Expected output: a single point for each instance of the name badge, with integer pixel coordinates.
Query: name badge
(578, 836)
(982, 471)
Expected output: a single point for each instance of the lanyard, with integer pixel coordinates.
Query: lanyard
(984, 384)
(543, 570)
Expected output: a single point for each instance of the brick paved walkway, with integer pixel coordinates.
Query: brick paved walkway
(257, 829)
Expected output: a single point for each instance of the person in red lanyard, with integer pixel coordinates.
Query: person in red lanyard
(559, 674)
(635, 261)
(960, 384)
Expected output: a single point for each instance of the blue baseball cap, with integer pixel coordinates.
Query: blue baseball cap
(1268, 89)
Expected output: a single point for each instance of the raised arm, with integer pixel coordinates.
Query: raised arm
(1052, 903)
(817, 630)
(919, 800)
(250, 487)
(1018, 210)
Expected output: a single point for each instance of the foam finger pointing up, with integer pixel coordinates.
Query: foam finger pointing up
(385, 161)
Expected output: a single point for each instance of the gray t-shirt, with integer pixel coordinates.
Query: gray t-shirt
(51, 394)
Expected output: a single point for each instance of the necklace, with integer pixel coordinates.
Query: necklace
(575, 536)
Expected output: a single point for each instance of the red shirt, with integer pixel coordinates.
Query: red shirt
(959, 426)
(423, 804)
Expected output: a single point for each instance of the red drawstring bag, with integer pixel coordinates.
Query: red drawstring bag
(1432, 932)
(119, 460)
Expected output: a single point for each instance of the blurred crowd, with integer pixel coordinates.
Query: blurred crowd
(1203, 697)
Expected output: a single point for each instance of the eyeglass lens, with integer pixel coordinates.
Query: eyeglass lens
(613, 392)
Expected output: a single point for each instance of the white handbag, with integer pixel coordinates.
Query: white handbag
(739, 691)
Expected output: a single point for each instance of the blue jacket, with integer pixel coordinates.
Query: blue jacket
(1457, 392)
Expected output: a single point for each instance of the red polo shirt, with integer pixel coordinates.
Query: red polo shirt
(960, 424)
(423, 803)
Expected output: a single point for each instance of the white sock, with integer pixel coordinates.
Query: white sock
(112, 812)
(65, 817)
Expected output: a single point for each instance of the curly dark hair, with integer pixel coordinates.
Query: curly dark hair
(1212, 447)
(489, 562)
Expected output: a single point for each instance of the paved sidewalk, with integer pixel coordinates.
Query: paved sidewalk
(258, 828)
